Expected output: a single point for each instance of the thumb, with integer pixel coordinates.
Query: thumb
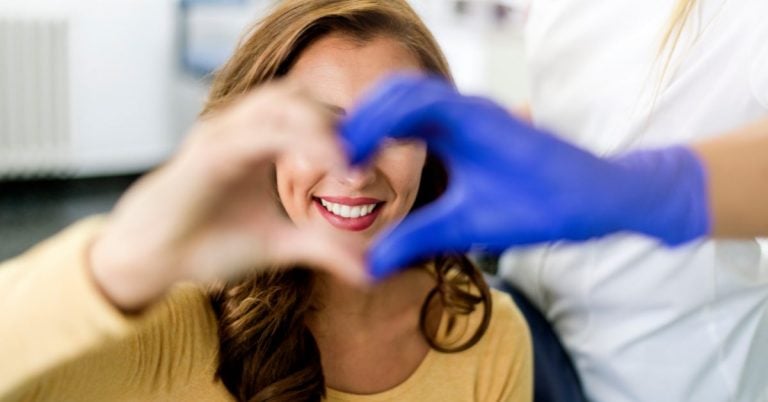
(305, 246)
(434, 229)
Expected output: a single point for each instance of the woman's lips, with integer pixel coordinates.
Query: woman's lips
(358, 213)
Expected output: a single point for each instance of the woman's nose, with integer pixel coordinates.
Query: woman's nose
(357, 177)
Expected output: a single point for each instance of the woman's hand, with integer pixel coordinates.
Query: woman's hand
(212, 211)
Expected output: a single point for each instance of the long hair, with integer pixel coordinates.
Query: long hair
(674, 28)
(671, 37)
(266, 350)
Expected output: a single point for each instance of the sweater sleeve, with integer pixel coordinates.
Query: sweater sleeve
(61, 339)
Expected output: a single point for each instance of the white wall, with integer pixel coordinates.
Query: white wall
(486, 55)
(113, 69)
(126, 102)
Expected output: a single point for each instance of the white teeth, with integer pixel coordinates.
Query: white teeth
(347, 211)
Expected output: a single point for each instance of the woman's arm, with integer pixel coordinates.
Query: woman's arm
(61, 340)
(737, 166)
(209, 213)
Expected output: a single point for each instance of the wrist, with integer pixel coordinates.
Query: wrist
(127, 286)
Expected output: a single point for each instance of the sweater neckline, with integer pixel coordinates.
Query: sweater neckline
(415, 378)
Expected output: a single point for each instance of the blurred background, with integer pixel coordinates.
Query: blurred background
(95, 92)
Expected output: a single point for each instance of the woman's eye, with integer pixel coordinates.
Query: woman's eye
(398, 142)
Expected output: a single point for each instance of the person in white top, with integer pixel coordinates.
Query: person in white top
(650, 98)
(642, 322)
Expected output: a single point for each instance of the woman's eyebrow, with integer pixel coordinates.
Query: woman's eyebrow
(337, 110)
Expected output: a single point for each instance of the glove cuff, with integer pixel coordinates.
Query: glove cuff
(669, 196)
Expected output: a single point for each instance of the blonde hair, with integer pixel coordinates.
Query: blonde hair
(671, 38)
(675, 26)
(667, 47)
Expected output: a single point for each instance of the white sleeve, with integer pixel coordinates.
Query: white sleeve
(759, 75)
(522, 269)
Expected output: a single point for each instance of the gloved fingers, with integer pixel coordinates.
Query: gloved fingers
(399, 107)
(434, 229)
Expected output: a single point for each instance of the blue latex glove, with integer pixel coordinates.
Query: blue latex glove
(512, 184)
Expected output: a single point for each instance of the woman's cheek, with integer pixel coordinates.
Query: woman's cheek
(296, 178)
(402, 164)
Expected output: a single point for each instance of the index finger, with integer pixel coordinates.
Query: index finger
(398, 107)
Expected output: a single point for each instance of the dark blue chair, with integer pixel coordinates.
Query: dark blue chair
(555, 379)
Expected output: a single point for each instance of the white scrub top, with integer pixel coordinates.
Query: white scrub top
(641, 321)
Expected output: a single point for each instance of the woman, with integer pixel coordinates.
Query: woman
(643, 322)
(102, 323)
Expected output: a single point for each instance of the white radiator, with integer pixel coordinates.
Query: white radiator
(85, 86)
(34, 95)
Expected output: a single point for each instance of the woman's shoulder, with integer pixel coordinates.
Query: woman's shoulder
(506, 325)
(505, 354)
(506, 341)
(507, 337)
(500, 365)
(505, 316)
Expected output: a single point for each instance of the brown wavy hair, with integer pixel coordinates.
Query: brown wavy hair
(267, 353)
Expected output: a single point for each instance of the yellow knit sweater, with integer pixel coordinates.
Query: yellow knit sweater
(60, 340)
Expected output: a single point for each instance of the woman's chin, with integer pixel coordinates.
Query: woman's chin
(356, 241)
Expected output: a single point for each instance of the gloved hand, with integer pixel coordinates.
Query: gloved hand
(512, 184)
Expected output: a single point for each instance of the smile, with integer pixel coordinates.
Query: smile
(347, 211)
(353, 214)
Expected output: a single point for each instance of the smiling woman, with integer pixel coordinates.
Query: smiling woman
(337, 50)
(259, 189)
(384, 191)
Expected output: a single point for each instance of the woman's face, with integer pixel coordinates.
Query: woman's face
(355, 205)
